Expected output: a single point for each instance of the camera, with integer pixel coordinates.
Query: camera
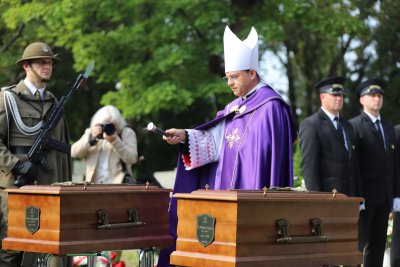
(108, 129)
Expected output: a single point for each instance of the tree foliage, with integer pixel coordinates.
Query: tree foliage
(162, 61)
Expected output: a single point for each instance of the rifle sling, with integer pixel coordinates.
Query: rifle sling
(52, 144)
(59, 146)
(19, 149)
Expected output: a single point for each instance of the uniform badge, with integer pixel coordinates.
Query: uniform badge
(45, 48)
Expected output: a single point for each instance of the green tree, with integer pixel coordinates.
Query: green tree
(167, 56)
(385, 43)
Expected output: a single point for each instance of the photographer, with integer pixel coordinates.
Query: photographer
(109, 147)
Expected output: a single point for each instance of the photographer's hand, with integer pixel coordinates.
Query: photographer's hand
(96, 130)
(110, 138)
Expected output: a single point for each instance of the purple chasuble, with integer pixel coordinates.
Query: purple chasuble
(257, 151)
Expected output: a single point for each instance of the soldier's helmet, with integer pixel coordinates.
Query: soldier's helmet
(38, 50)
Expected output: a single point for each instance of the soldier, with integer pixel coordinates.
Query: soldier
(327, 144)
(22, 109)
(376, 152)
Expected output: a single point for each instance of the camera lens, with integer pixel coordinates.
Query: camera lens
(109, 129)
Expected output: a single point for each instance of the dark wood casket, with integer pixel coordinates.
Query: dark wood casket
(61, 219)
(266, 228)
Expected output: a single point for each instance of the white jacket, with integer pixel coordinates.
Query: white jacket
(124, 148)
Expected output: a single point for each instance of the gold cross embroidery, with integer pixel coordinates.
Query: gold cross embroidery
(233, 137)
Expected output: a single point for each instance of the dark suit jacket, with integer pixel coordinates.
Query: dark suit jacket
(326, 164)
(395, 246)
(377, 166)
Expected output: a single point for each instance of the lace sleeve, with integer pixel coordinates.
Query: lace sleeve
(204, 146)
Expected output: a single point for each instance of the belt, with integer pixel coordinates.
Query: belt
(19, 149)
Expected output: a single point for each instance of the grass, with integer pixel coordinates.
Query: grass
(131, 257)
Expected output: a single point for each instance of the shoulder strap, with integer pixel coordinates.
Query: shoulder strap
(8, 88)
(123, 164)
(3, 89)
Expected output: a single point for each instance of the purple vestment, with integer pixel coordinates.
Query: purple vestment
(257, 151)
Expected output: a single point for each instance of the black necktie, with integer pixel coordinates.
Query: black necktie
(378, 129)
(339, 126)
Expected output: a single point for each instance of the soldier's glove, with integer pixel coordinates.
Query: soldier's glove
(25, 172)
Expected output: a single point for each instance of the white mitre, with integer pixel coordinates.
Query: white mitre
(240, 55)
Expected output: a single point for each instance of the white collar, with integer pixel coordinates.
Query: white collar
(373, 118)
(32, 88)
(330, 115)
(258, 86)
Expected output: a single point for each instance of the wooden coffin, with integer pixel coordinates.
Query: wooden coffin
(266, 228)
(87, 218)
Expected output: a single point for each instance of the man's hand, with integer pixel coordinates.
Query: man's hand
(177, 135)
(396, 204)
(362, 206)
(25, 172)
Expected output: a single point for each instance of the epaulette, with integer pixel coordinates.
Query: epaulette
(8, 88)
(52, 95)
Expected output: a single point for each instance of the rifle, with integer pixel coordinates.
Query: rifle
(43, 141)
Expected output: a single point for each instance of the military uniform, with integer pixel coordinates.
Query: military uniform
(14, 145)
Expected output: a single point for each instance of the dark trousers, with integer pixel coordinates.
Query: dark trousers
(395, 246)
(10, 259)
(29, 259)
(373, 225)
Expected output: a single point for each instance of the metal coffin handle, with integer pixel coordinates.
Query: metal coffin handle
(133, 220)
(317, 236)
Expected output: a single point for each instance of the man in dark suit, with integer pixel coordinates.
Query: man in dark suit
(395, 245)
(376, 152)
(327, 144)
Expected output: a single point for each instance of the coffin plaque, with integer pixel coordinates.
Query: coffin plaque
(32, 219)
(205, 229)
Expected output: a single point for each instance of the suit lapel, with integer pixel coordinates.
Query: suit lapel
(347, 130)
(325, 119)
(46, 104)
(386, 132)
(372, 128)
(23, 89)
